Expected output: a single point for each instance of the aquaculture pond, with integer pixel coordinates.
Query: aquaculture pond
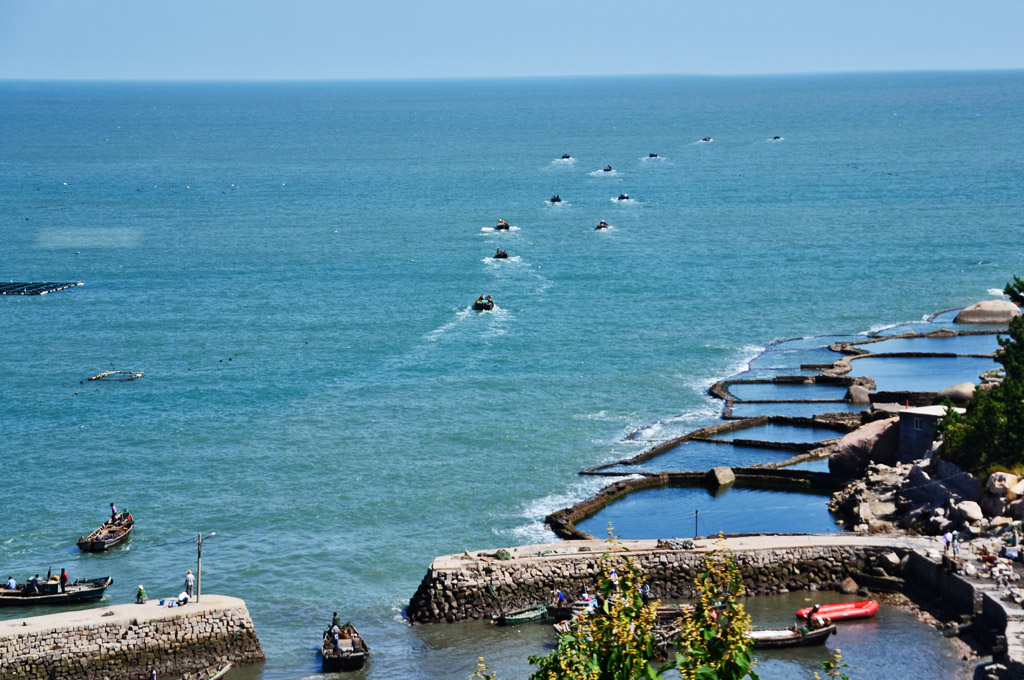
(782, 433)
(922, 374)
(961, 344)
(793, 409)
(785, 392)
(702, 455)
(671, 511)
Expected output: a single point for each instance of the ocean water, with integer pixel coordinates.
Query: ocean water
(291, 266)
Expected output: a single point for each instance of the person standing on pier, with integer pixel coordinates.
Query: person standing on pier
(63, 580)
(190, 582)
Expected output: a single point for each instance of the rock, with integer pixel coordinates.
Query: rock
(988, 311)
(1015, 491)
(960, 394)
(993, 506)
(848, 586)
(858, 394)
(997, 522)
(1016, 509)
(877, 441)
(891, 559)
(720, 476)
(969, 511)
(1001, 482)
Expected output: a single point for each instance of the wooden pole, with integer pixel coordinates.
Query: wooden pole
(199, 568)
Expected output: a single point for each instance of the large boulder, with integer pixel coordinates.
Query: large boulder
(999, 483)
(969, 511)
(960, 394)
(876, 442)
(720, 476)
(988, 311)
(858, 394)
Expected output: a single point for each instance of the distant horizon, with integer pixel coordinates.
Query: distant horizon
(258, 40)
(510, 77)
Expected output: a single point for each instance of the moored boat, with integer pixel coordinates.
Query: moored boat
(775, 639)
(861, 609)
(113, 532)
(82, 590)
(535, 612)
(349, 654)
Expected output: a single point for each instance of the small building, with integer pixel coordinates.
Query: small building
(918, 429)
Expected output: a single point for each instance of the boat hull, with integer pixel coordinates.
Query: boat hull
(846, 610)
(351, 655)
(778, 639)
(82, 590)
(112, 533)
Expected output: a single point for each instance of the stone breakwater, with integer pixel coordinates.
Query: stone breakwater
(473, 585)
(124, 641)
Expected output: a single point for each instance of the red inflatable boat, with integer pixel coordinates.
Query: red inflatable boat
(845, 610)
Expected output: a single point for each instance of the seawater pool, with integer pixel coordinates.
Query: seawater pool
(921, 374)
(672, 511)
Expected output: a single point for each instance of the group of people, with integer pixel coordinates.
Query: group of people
(338, 632)
(502, 224)
(183, 597)
(33, 588)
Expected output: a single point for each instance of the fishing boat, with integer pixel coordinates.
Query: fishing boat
(565, 611)
(113, 532)
(349, 655)
(500, 254)
(861, 609)
(535, 612)
(483, 303)
(602, 225)
(82, 590)
(775, 639)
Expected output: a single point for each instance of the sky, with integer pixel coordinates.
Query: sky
(386, 39)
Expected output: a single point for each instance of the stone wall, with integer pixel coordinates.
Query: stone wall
(470, 586)
(123, 642)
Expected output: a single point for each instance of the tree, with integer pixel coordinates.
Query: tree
(991, 433)
(620, 640)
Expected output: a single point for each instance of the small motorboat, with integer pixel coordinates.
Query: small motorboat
(652, 155)
(607, 168)
(556, 199)
(776, 138)
(48, 592)
(623, 197)
(801, 637)
(502, 225)
(483, 303)
(602, 225)
(707, 139)
(500, 254)
(113, 532)
(349, 654)
(535, 612)
(566, 157)
(861, 609)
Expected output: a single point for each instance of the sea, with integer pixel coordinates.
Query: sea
(292, 265)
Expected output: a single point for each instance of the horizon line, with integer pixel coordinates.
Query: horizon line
(367, 79)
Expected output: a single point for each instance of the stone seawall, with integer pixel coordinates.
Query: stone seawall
(470, 586)
(123, 642)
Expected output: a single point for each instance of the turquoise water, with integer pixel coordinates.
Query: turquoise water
(696, 455)
(291, 266)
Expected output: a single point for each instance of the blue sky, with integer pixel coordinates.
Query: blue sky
(318, 39)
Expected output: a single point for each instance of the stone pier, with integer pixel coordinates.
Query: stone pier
(123, 642)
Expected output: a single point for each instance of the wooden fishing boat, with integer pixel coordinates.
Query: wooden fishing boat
(671, 612)
(113, 532)
(350, 655)
(861, 609)
(775, 639)
(81, 590)
(512, 617)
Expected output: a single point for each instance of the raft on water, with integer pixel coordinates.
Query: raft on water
(36, 287)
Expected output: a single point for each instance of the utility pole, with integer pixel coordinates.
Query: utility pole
(696, 516)
(199, 563)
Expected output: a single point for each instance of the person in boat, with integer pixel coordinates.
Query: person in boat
(500, 254)
(63, 581)
(33, 586)
(706, 139)
(556, 199)
(335, 636)
(623, 197)
(11, 583)
(652, 155)
(140, 595)
(566, 156)
(113, 511)
(776, 137)
(607, 168)
(601, 225)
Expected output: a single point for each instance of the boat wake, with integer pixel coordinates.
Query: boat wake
(492, 229)
(623, 201)
(460, 316)
(558, 204)
(602, 172)
(998, 292)
(494, 261)
(563, 161)
(651, 159)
